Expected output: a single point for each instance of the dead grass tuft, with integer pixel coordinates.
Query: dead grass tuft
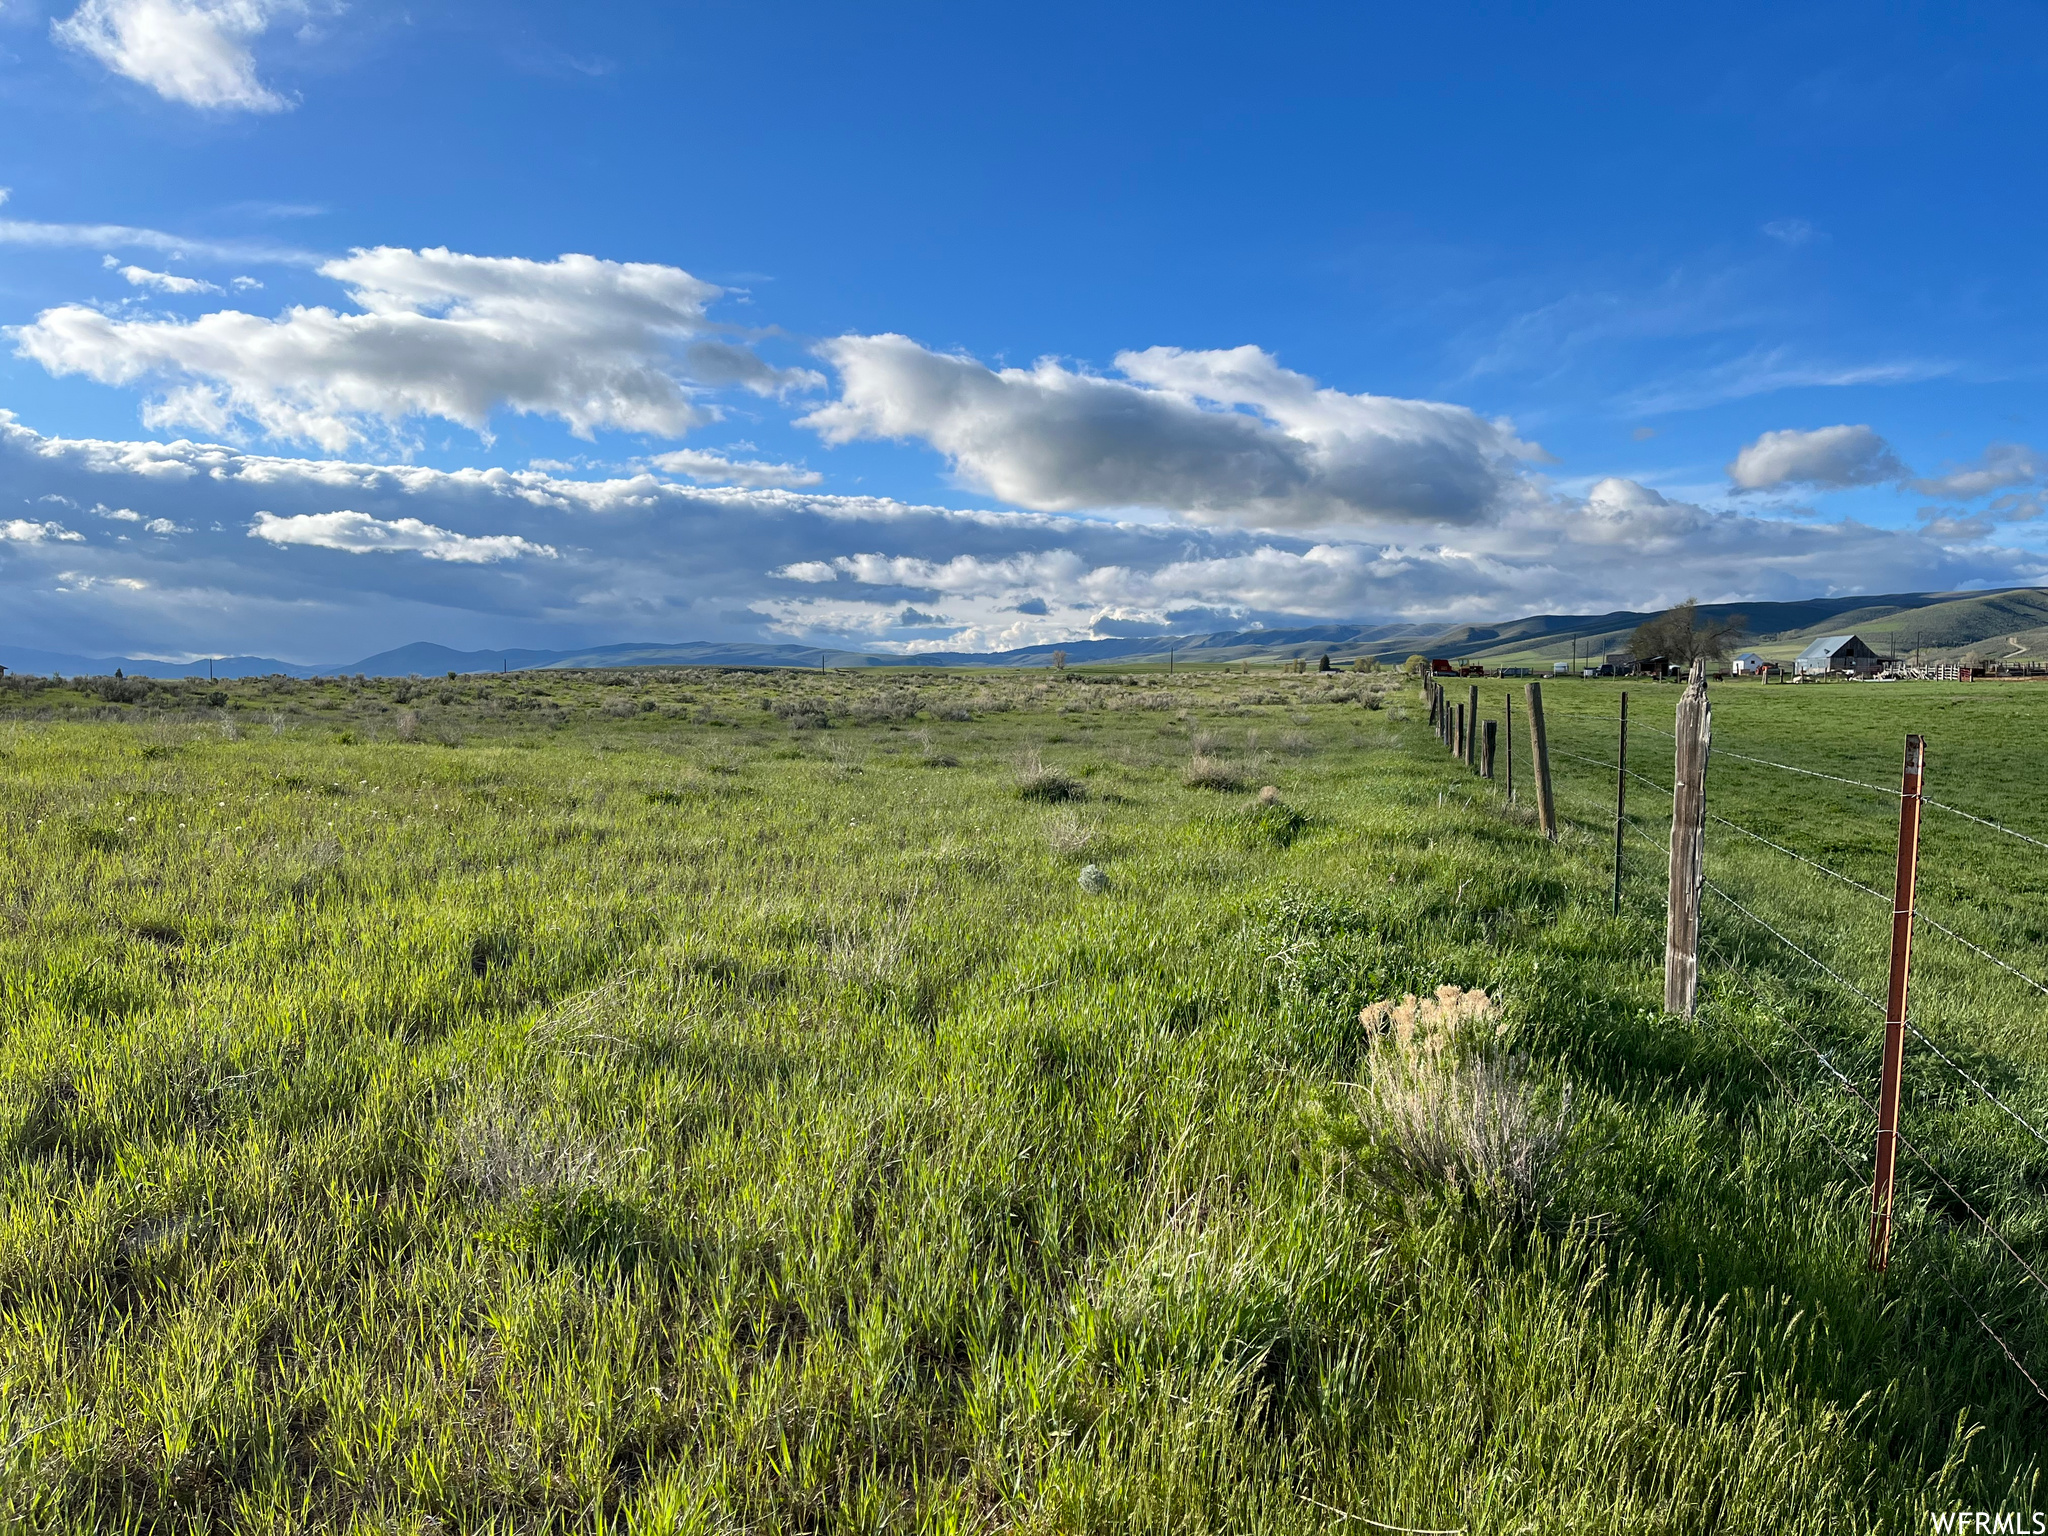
(1453, 1111)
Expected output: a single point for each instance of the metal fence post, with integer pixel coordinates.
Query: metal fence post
(1539, 749)
(1620, 798)
(1895, 1004)
(1695, 729)
(1509, 731)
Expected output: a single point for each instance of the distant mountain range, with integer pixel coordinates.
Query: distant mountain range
(1938, 625)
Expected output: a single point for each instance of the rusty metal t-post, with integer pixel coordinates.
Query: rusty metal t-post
(1895, 1004)
(1695, 730)
(1620, 798)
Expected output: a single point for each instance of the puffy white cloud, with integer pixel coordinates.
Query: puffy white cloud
(358, 533)
(596, 344)
(2001, 466)
(716, 469)
(1219, 436)
(21, 530)
(637, 557)
(162, 282)
(1831, 458)
(191, 51)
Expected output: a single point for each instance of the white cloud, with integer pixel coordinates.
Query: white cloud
(1220, 436)
(21, 530)
(357, 533)
(716, 469)
(190, 51)
(2000, 467)
(439, 334)
(1767, 371)
(32, 232)
(1792, 232)
(163, 282)
(1831, 458)
(638, 557)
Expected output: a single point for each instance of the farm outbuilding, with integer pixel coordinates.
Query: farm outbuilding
(1748, 664)
(1839, 653)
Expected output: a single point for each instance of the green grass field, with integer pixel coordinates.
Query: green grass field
(712, 1103)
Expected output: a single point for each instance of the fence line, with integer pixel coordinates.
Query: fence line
(1802, 858)
(1797, 1101)
(1994, 826)
(1915, 1029)
(2031, 1129)
(1875, 789)
(1982, 1220)
(2004, 1348)
(1951, 933)
(1810, 960)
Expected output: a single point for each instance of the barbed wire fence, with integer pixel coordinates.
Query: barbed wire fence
(1742, 922)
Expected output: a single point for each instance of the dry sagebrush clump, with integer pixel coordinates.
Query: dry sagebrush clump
(1453, 1110)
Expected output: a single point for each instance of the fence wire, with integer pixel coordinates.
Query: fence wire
(1849, 1161)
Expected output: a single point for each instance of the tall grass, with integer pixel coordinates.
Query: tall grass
(705, 1119)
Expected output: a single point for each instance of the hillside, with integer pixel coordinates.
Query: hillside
(1945, 626)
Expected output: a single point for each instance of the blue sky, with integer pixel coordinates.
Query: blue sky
(335, 326)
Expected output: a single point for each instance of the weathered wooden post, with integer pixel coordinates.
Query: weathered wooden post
(1895, 1004)
(1486, 746)
(1458, 741)
(1620, 798)
(1539, 752)
(1688, 846)
(1472, 734)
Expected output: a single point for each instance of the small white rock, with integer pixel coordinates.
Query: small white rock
(1094, 879)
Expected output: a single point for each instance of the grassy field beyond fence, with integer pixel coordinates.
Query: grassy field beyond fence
(704, 1102)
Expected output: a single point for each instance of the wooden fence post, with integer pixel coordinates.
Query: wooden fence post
(1688, 846)
(1486, 745)
(1620, 798)
(1895, 1004)
(1458, 741)
(1472, 733)
(1539, 752)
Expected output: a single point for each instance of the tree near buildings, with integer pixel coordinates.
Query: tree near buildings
(1681, 637)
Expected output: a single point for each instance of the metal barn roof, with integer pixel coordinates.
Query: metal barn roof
(1826, 646)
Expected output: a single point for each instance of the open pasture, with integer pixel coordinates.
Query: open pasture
(711, 1102)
